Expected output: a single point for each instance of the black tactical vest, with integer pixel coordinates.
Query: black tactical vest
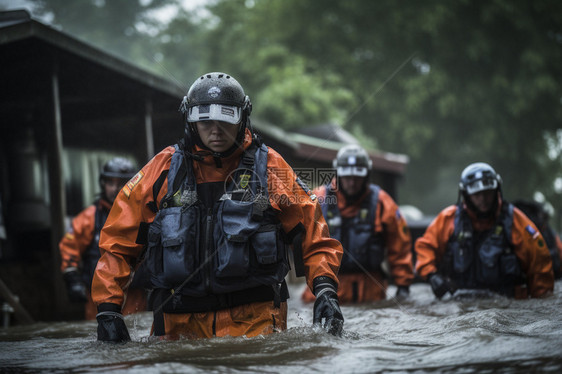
(234, 245)
(91, 255)
(483, 260)
(363, 248)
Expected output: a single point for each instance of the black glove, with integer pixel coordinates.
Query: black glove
(402, 293)
(327, 306)
(111, 325)
(440, 285)
(75, 287)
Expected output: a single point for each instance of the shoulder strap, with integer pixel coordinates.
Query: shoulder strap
(180, 168)
(258, 156)
(459, 221)
(329, 203)
(373, 202)
(156, 187)
(100, 216)
(507, 220)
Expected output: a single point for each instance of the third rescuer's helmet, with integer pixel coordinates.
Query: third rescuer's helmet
(352, 160)
(117, 167)
(478, 177)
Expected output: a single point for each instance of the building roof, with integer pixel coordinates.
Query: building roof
(323, 142)
(17, 26)
(100, 90)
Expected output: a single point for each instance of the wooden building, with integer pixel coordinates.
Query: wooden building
(65, 108)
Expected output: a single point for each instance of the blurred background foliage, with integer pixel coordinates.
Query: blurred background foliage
(445, 82)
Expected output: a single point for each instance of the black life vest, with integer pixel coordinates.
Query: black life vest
(210, 256)
(91, 255)
(483, 260)
(363, 248)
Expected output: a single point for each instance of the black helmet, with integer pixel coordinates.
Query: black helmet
(352, 160)
(477, 177)
(216, 96)
(117, 167)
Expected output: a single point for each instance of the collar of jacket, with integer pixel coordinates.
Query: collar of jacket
(104, 204)
(481, 224)
(349, 210)
(207, 171)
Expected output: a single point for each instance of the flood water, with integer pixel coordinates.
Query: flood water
(467, 334)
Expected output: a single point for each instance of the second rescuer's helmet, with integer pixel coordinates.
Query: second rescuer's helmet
(352, 160)
(117, 167)
(477, 177)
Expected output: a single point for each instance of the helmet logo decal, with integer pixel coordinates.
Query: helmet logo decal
(214, 92)
(227, 111)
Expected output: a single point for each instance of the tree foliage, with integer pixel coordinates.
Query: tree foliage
(445, 82)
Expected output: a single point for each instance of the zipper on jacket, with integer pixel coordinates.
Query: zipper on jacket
(208, 248)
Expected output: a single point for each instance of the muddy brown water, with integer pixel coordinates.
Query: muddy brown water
(470, 333)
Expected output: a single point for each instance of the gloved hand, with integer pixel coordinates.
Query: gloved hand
(440, 285)
(75, 287)
(327, 306)
(111, 325)
(402, 293)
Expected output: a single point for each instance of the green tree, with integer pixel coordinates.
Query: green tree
(481, 80)
(447, 83)
(124, 28)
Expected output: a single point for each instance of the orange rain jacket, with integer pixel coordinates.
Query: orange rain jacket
(398, 242)
(321, 254)
(530, 249)
(73, 245)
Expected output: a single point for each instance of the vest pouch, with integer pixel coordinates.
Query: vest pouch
(232, 256)
(334, 225)
(357, 250)
(489, 270)
(376, 252)
(154, 248)
(269, 253)
(179, 243)
(509, 266)
(232, 236)
(462, 258)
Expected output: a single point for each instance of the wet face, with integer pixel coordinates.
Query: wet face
(111, 187)
(483, 200)
(352, 185)
(218, 136)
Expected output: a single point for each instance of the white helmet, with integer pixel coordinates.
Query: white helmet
(352, 160)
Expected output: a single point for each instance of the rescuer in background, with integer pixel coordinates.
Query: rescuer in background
(79, 248)
(483, 242)
(368, 223)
